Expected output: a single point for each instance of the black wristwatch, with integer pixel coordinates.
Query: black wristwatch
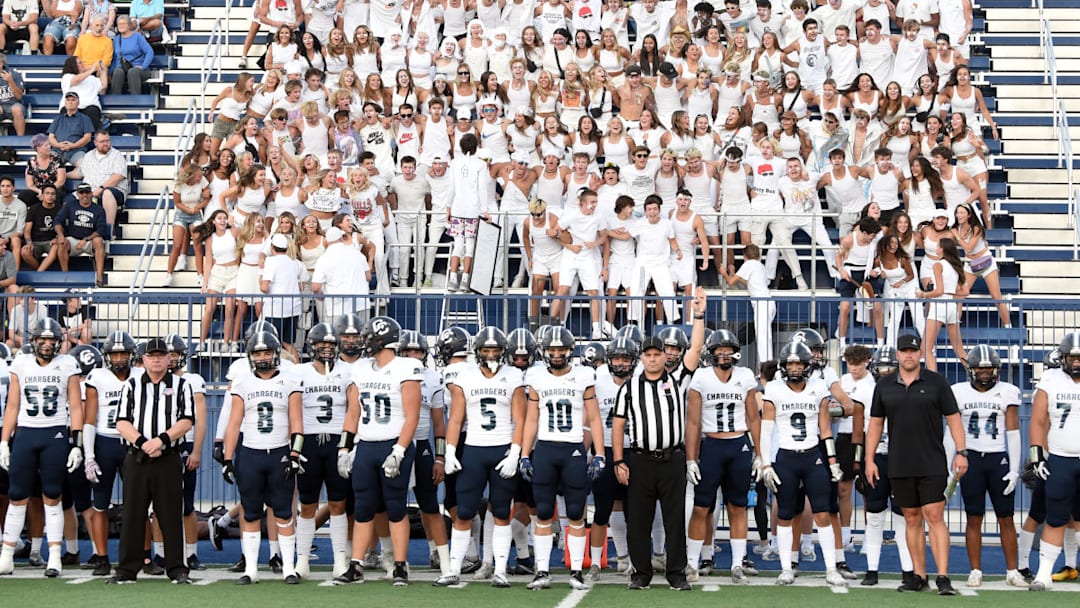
(963, 453)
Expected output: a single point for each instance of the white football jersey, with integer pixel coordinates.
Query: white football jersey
(796, 413)
(859, 390)
(266, 408)
(562, 402)
(239, 368)
(983, 414)
(44, 400)
(1062, 396)
(488, 404)
(198, 387)
(606, 390)
(382, 413)
(450, 372)
(431, 399)
(109, 390)
(723, 404)
(324, 398)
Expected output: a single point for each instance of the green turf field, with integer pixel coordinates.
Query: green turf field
(216, 588)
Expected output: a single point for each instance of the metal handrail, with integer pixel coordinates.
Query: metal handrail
(156, 235)
(212, 57)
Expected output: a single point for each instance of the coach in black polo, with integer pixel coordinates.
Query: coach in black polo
(156, 410)
(913, 401)
(650, 408)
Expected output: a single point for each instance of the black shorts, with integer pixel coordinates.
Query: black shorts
(845, 455)
(914, 492)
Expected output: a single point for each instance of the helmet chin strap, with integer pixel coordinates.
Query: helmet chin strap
(492, 364)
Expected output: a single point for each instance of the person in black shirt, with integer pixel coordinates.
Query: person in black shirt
(38, 235)
(913, 401)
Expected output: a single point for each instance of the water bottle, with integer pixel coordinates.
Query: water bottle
(751, 497)
(954, 480)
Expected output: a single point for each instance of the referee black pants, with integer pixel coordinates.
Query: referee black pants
(653, 479)
(158, 482)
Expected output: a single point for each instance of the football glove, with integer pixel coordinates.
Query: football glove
(596, 467)
(508, 466)
(344, 463)
(1038, 461)
(392, 465)
(693, 472)
(525, 467)
(294, 466)
(452, 464)
(5, 455)
(835, 472)
(228, 471)
(770, 478)
(93, 471)
(219, 452)
(75, 459)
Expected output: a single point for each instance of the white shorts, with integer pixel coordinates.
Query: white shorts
(546, 266)
(683, 271)
(944, 309)
(247, 281)
(993, 267)
(738, 218)
(222, 278)
(620, 274)
(87, 249)
(584, 266)
(709, 217)
(926, 268)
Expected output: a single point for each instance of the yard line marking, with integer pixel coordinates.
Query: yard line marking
(968, 592)
(839, 590)
(204, 582)
(80, 580)
(710, 587)
(460, 585)
(573, 598)
(329, 583)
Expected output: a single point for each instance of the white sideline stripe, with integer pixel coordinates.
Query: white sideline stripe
(839, 590)
(329, 583)
(968, 592)
(205, 581)
(573, 598)
(80, 580)
(708, 588)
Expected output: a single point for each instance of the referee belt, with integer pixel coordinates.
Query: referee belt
(659, 455)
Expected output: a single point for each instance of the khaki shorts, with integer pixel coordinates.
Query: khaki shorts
(86, 249)
(222, 278)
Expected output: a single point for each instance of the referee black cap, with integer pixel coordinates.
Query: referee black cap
(652, 342)
(157, 345)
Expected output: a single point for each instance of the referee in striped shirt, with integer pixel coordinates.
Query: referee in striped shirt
(156, 410)
(651, 409)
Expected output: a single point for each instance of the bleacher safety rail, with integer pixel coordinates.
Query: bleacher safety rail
(162, 312)
(156, 240)
(1061, 123)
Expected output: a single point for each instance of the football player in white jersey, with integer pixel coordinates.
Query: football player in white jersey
(986, 405)
(451, 354)
(489, 397)
(876, 497)
(325, 379)
(239, 368)
(562, 404)
(858, 384)
(191, 453)
(76, 493)
(268, 410)
(383, 399)
(43, 400)
(432, 425)
(1054, 436)
(608, 494)
(103, 448)
(721, 406)
(799, 411)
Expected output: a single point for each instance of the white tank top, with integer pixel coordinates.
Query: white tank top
(476, 57)
(523, 142)
(706, 145)
(520, 97)
(617, 152)
(436, 142)
(667, 188)
(949, 279)
(251, 201)
(454, 20)
(684, 235)
(494, 140)
(966, 106)
(699, 103)
(790, 146)
(408, 142)
(288, 202)
(316, 139)
(870, 108)
(859, 255)
(703, 190)
(392, 61)
(766, 113)
(550, 190)
(544, 246)
(884, 190)
(252, 252)
(611, 61)
(668, 100)
(849, 191)
(728, 98)
(733, 190)
(365, 62)
(955, 192)
(223, 248)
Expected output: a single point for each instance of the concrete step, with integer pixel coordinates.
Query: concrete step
(1003, 15)
(1056, 270)
(1049, 191)
(1006, 51)
(192, 59)
(1066, 65)
(1061, 237)
(1038, 104)
(190, 89)
(1021, 91)
(1023, 221)
(1008, 133)
(1041, 176)
(1050, 285)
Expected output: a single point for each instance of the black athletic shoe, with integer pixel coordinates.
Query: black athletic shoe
(678, 582)
(116, 580)
(182, 579)
(245, 580)
(637, 584)
(24, 552)
(845, 571)
(870, 579)
(70, 559)
(215, 533)
(239, 566)
(194, 564)
(91, 563)
(401, 574)
(292, 579)
(275, 564)
(1026, 573)
(944, 585)
(103, 567)
(748, 567)
(913, 583)
(355, 574)
(525, 566)
(52, 573)
(152, 568)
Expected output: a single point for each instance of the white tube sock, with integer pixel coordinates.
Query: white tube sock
(827, 541)
(693, 552)
(520, 533)
(784, 537)
(576, 545)
(305, 533)
(872, 539)
(339, 533)
(287, 543)
(543, 543)
(54, 523)
(1027, 539)
(459, 545)
(489, 532)
(249, 544)
(1048, 555)
(617, 531)
(1069, 548)
(13, 524)
(501, 537)
(738, 551)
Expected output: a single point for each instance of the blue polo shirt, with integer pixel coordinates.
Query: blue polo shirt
(71, 128)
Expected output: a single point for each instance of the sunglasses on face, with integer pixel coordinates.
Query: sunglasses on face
(641, 156)
(409, 115)
(541, 214)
